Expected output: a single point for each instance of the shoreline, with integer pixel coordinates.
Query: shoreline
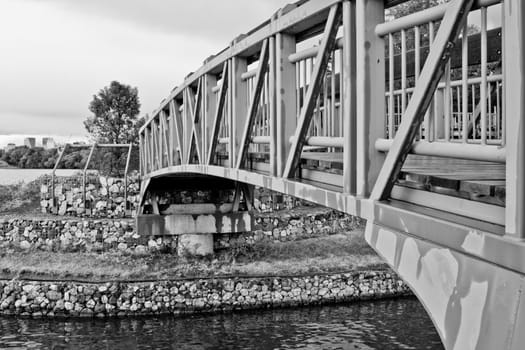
(176, 296)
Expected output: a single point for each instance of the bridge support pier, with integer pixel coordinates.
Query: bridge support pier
(195, 210)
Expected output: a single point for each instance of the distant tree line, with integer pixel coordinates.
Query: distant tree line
(111, 161)
(30, 158)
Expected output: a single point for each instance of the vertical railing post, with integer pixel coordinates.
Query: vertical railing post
(210, 105)
(514, 112)
(272, 104)
(348, 97)
(370, 89)
(141, 156)
(286, 106)
(238, 108)
(187, 122)
(159, 138)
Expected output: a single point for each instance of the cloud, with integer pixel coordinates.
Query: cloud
(56, 54)
(223, 19)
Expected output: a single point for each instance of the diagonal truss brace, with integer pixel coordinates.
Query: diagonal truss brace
(165, 139)
(195, 138)
(453, 21)
(254, 104)
(321, 63)
(218, 113)
(175, 117)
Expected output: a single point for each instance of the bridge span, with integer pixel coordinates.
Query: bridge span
(415, 123)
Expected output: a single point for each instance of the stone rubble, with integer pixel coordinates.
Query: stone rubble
(104, 198)
(119, 234)
(107, 299)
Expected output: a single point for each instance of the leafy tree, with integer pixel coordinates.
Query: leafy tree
(115, 115)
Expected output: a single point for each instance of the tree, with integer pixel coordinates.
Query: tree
(115, 120)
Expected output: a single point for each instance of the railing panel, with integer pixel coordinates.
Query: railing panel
(365, 89)
(467, 106)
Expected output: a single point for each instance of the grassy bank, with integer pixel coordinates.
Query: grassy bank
(340, 252)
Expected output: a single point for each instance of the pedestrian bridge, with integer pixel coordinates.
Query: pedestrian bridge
(412, 122)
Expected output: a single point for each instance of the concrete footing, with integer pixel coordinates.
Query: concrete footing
(195, 231)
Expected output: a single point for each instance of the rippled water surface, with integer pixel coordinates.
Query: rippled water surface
(390, 324)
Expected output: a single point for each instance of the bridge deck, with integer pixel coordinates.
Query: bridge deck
(469, 179)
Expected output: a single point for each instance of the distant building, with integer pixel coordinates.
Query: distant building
(9, 147)
(30, 142)
(48, 143)
(79, 143)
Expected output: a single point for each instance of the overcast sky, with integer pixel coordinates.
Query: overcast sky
(56, 54)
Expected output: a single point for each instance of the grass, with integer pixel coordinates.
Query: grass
(340, 252)
(20, 198)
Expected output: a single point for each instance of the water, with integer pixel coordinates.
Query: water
(388, 324)
(13, 176)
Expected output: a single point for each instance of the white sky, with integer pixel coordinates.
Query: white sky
(56, 54)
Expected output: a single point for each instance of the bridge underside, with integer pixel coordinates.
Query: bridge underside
(474, 304)
(452, 263)
(193, 208)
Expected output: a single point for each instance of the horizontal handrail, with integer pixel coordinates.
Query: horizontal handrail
(489, 153)
(311, 52)
(422, 17)
(318, 141)
(455, 83)
(249, 74)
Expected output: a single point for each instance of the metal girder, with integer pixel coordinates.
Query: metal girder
(514, 109)
(175, 115)
(160, 150)
(286, 106)
(195, 137)
(218, 113)
(209, 106)
(349, 98)
(254, 104)
(453, 21)
(154, 144)
(165, 138)
(141, 154)
(323, 55)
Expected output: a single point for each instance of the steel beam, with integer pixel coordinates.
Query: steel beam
(195, 135)
(272, 103)
(453, 21)
(218, 114)
(239, 108)
(370, 82)
(254, 104)
(321, 62)
(165, 139)
(514, 112)
(286, 113)
(176, 118)
(210, 105)
(348, 98)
